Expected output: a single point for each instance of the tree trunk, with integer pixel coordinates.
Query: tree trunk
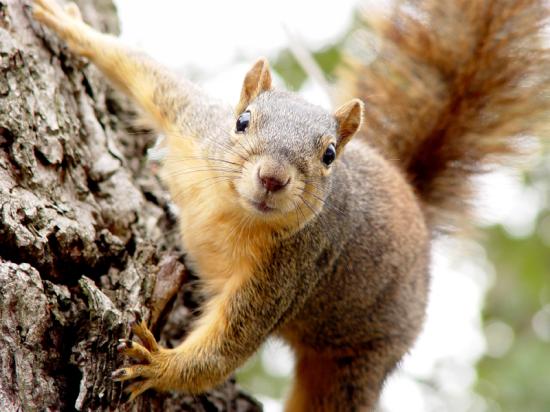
(86, 231)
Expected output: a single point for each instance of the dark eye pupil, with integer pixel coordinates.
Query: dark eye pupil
(330, 154)
(242, 122)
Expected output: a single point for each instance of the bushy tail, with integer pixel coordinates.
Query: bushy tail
(456, 87)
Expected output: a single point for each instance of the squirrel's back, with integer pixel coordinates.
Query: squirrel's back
(456, 88)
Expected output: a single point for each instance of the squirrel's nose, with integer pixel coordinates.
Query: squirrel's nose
(272, 183)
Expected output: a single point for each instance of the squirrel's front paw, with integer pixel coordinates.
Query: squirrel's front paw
(65, 21)
(152, 362)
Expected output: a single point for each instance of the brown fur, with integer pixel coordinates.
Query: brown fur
(456, 89)
(337, 262)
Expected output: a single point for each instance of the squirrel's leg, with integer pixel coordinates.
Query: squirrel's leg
(232, 327)
(338, 382)
(164, 98)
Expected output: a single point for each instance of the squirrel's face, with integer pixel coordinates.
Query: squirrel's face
(286, 149)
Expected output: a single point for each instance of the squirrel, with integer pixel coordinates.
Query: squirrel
(305, 225)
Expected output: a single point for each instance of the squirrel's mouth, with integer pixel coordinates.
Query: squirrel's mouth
(262, 206)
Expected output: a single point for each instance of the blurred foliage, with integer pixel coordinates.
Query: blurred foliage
(328, 58)
(294, 76)
(519, 380)
(257, 379)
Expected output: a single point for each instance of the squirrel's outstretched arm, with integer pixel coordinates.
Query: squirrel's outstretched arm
(234, 324)
(172, 104)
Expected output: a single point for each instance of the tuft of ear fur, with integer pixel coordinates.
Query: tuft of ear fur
(350, 118)
(256, 81)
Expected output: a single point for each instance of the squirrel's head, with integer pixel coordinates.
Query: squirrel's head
(287, 148)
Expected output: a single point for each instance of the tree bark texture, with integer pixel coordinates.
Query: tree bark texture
(87, 233)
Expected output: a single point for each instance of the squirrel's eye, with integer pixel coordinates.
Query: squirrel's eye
(330, 154)
(242, 122)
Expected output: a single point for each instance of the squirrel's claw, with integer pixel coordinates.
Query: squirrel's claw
(49, 6)
(52, 15)
(66, 22)
(139, 327)
(134, 350)
(150, 358)
(138, 317)
(133, 372)
(149, 373)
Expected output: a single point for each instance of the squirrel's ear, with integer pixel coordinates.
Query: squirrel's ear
(349, 117)
(257, 80)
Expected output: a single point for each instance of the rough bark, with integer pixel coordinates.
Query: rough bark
(86, 231)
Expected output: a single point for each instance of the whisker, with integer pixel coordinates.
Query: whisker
(177, 159)
(218, 179)
(325, 202)
(215, 180)
(324, 220)
(179, 173)
(224, 145)
(304, 201)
